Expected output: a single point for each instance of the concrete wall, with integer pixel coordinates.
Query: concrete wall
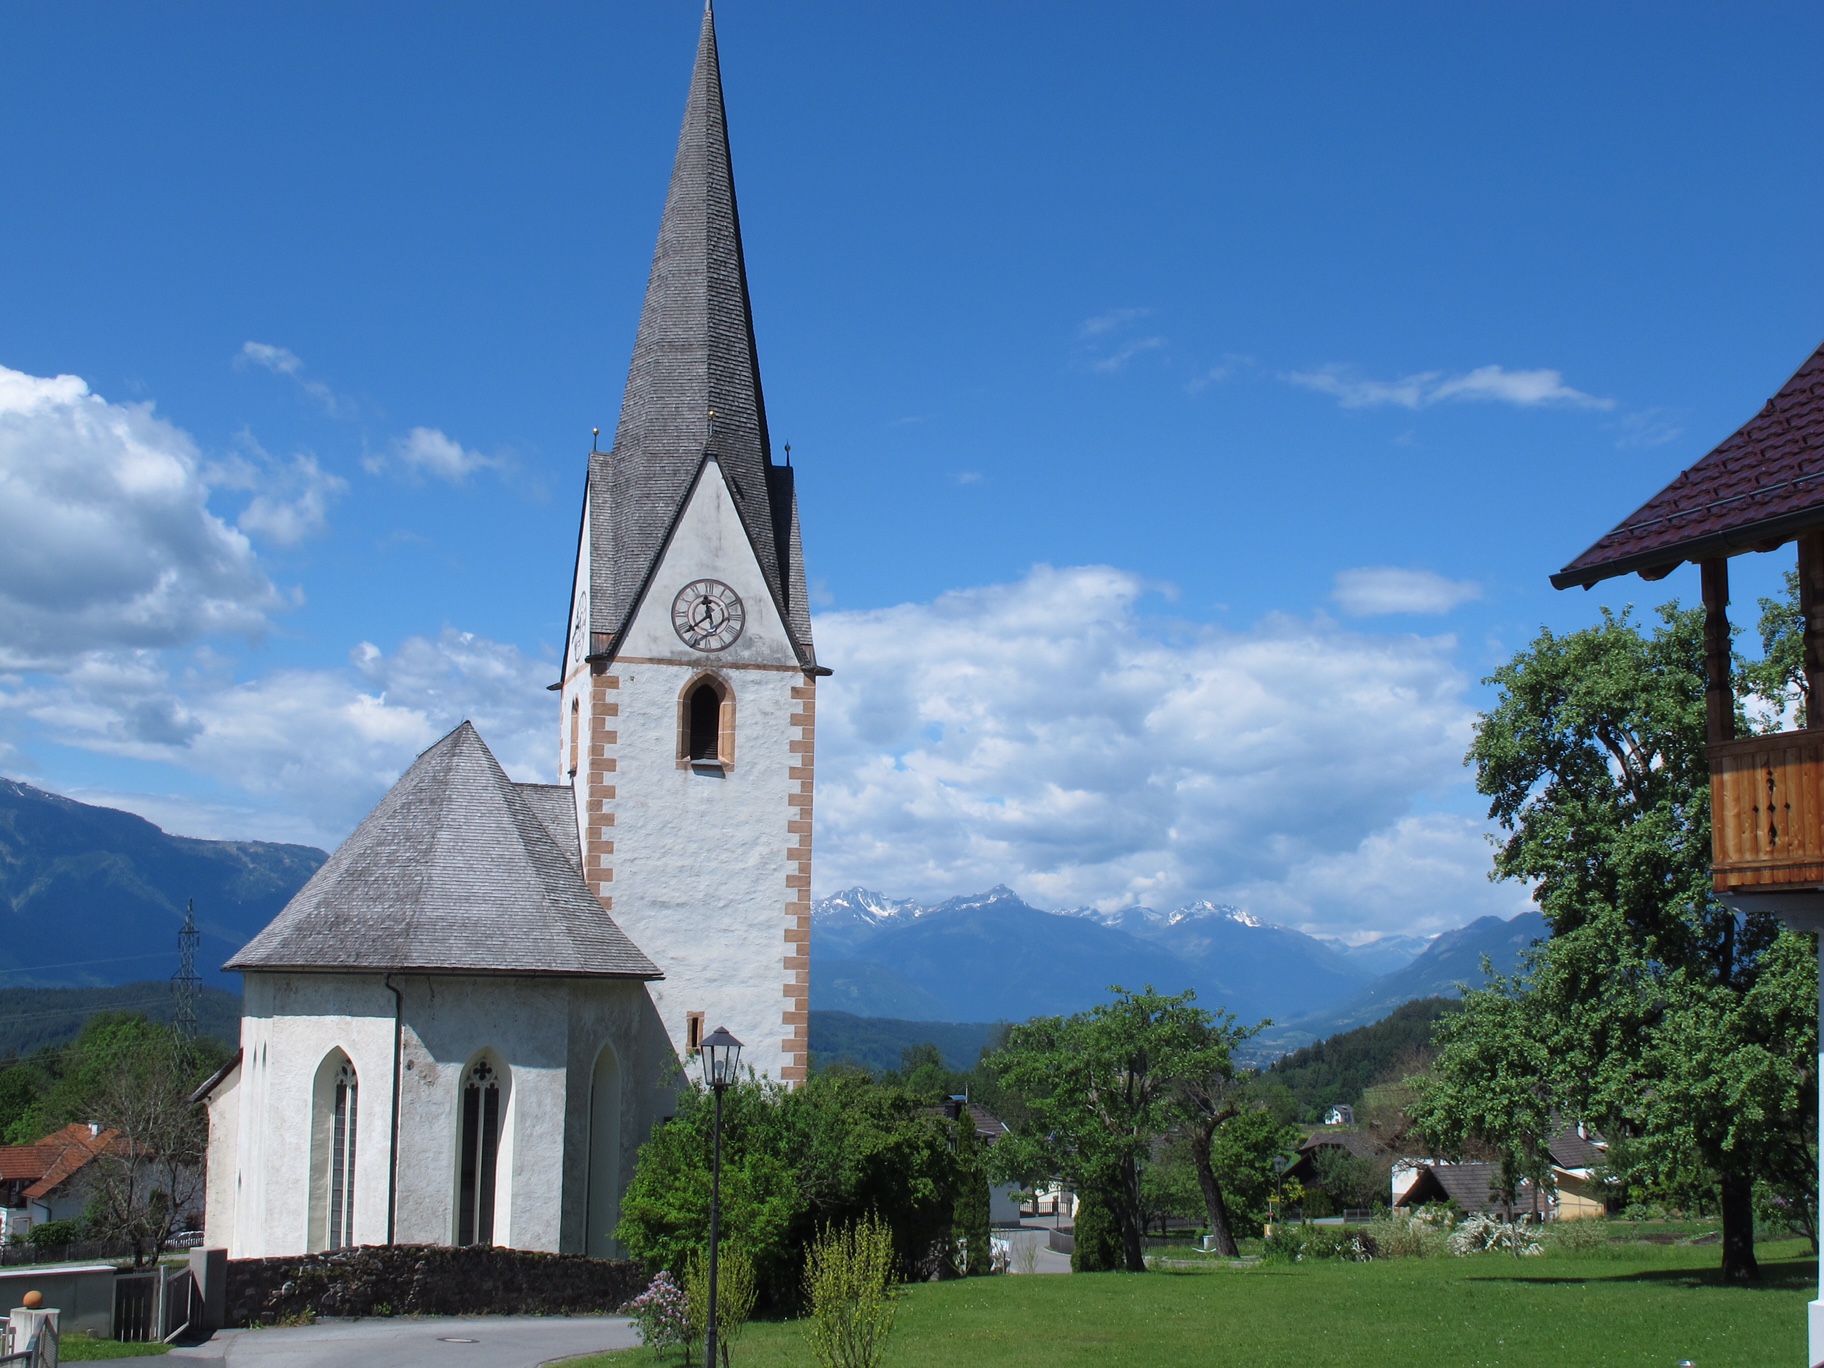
(542, 1036)
(694, 865)
(84, 1295)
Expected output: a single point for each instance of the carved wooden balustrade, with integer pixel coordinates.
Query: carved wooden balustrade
(1767, 811)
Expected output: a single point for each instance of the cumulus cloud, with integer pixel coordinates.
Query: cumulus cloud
(426, 451)
(1522, 388)
(106, 537)
(283, 361)
(1045, 734)
(323, 745)
(1376, 590)
(290, 498)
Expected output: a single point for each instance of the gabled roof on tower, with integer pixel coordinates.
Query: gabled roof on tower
(693, 357)
(454, 871)
(1762, 486)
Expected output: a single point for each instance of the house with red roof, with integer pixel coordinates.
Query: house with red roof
(49, 1180)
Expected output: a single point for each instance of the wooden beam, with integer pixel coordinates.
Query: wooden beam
(1719, 691)
(1811, 609)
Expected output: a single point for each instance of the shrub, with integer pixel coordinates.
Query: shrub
(1482, 1234)
(1285, 1245)
(1351, 1244)
(848, 1283)
(1580, 1238)
(1097, 1247)
(1400, 1235)
(735, 1290)
(661, 1314)
(54, 1234)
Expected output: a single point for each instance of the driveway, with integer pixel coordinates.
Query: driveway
(412, 1342)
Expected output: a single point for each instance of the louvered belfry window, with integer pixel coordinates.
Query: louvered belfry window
(480, 1151)
(342, 1161)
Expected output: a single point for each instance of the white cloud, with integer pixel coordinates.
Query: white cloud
(1044, 734)
(1108, 322)
(1523, 388)
(319, 745)
(1375, 590)
(290, 498)
(426, 451)
(1118, 359)
(285, 362)
(106, 538)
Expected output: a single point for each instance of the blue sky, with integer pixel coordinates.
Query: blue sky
(1233, 301)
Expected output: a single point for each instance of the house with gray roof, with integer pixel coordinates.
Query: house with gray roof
(463, 1027)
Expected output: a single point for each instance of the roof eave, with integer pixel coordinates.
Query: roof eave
(1765, 535)
(631, 976)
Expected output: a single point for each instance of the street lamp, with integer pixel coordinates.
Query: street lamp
(721, 1059)
(1280, 1165)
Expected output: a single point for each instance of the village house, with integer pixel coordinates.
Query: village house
(49, 1180)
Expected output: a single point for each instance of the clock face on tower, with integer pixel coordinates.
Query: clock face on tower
(708, 615)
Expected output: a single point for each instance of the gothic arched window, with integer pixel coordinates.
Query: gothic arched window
(480, 1153)
(342, 1160)
(575, 728)
(706, 723)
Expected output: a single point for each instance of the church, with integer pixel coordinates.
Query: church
(463, 1027)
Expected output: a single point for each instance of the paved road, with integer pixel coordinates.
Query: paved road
(408, 1342)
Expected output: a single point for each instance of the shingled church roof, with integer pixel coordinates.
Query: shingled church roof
(694, 356)
(456, 870)
(1762, 486)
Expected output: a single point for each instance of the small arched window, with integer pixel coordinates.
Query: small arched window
(575, 728)
(342, 1161)
(706, 723)
(480, 1153)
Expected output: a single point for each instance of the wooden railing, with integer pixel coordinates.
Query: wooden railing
(1767, 811)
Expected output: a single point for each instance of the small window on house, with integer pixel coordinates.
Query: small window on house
(480, 1151)
(705, 722)
(693, 1031)
(575, 727)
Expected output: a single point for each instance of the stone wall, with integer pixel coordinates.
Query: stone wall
(427, 1280)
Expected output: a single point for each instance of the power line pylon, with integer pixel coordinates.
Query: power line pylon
(186, 987)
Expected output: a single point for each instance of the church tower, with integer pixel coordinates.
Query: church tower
(689, 680)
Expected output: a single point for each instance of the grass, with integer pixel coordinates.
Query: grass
(1646, 1305)
(80, 1348)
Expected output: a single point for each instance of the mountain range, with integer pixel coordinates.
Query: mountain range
(992, 956)
(91, 895)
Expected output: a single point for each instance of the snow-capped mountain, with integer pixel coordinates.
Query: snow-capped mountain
(991, 955)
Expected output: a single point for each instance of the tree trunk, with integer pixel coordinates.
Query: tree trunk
(1133, 1236)
(1737, 1191)
(1222, 1239)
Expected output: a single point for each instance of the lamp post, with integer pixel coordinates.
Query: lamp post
(721, 1058)
(1280, 1165)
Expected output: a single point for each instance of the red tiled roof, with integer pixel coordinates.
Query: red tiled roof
(54, 1159)
(1762, 486)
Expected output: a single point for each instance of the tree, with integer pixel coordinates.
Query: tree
(1096, 1245)
(1242, 1157)
(1208, 1096)
(840, 1148)
(972, 1227)
(138, 1079)
(1493, 1087)
(1657, 1012)
(1100, 1089)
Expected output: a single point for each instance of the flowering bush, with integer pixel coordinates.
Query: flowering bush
(662, 1313)
(1418, 1235)
(1482, 1234)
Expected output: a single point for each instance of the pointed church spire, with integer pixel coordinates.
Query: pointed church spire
(695, 350)
(693, 389)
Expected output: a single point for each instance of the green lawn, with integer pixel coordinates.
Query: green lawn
(1635, 1305)
(80, 1348)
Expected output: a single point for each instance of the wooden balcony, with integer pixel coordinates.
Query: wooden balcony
(1767, 811)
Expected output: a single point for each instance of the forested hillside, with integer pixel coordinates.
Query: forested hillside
(90, 895)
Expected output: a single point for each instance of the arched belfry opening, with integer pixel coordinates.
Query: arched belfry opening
(706, 723)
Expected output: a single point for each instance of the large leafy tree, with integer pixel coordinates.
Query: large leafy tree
(1210, 1094)
(1101, 1090)
(1653, 1010)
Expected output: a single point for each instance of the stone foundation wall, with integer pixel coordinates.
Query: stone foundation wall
(427, 1280)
